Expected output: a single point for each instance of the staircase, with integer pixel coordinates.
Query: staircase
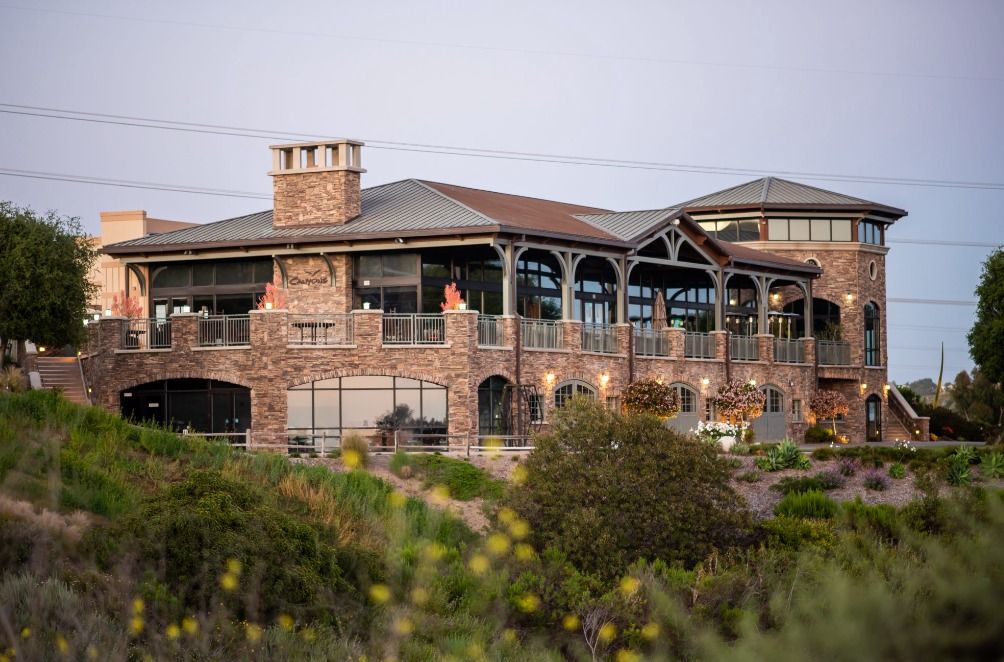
(893, 430)
(63, 373)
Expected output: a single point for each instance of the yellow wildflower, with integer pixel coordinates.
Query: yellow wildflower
(627, 655)
(607, 632)
(650, 631)
(379, 593)
(138, 606)
(434, 551)
(509, 635)
(285, 622)
(397, 499)
(629, 585)
(253, 632)
(479, 564)
(519, 529)
(228, 582)
(439, 495)
(25, 633)
(61, 645)
(519, 474)
(570, 622)
(419, 595)
(172, 632)
(234, 567)
(403, 626)
(351, 458)
(528, 602)
(506, 515)
(136, 625)
(524, 552)
(189, 625)
(498, 544)
(309, 634)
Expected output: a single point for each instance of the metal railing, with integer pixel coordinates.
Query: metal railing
(490, 331)
(320, 330)
(744, 348)
(599, 338)
(146, 334)
(698, 345)
(414, 329)
(651, 342)
(833, 352)
(224, 330)
(788, 351)
(541, 334)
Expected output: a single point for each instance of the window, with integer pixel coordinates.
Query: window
(709, 409)
(870, 233)
(775, 401)
(873, 270)
(796, 410)
(564, 392)
(368, 402)
(748, 230)
(224, 287)
(538, 285)
(687, 398)
(872, 353)
(536, 408)
(809, 229)
(613, 403)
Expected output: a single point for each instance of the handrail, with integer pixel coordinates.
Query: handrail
(414, 329)
(224, 330)
(833, 352)
(651, 342)
(321, 329)
(541, 334)
(744, 348)
(599, 338)
(146, 333)
(697, 345)
(787, 350)
(490, 331)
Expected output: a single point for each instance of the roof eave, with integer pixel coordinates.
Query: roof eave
(893, 211)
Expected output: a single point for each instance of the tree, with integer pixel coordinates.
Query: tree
(978, 399)
(828, 405)
(608, 489)
(987, 335)
(45, 263)
(740, 400)
(649, 396)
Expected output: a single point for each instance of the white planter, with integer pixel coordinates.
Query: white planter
(727, 443)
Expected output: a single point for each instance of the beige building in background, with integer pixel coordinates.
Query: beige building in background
(109, 273)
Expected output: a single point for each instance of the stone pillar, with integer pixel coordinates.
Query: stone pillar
(624, 332)
(184, 331)
(676, 342)
(765, 347)
(721, 344)
(509, 325)
(462, 394)
(268, 386)
(368, 330)
(809, 347)
(572, 335)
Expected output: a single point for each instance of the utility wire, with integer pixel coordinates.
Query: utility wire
(935, 302)
(120, 183)
(511, 49)
(477, 152)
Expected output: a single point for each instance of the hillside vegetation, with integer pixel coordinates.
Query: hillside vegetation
(122, 542)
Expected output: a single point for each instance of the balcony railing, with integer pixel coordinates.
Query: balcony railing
(833, 352)
(414, 329)
(698, 345)
(320, 330)
(541, 334)
(146, 334)
(599, 338)
(744, 348)
(490, 330)
(224, 330)
(788, 351)
(651, 342)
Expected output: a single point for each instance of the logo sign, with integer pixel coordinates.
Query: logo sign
(309, 279)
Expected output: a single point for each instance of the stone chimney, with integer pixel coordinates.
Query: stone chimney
(315, 183)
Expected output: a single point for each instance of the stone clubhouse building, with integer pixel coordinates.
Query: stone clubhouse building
(772, 281)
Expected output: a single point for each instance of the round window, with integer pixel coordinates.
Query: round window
(873, 270)
(813, 261)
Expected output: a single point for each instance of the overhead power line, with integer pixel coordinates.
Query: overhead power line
(511, 49)
(476, 152)
(124, 183)
(935, 302)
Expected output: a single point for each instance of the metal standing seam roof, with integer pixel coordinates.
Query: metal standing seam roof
(629, 225)
(774, 191)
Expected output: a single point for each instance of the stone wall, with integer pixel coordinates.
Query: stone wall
(324, 197)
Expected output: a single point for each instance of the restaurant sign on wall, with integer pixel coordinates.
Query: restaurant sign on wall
(314, 278)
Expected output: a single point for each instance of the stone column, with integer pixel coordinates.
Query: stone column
(572, 335)
(368, 330)
(462, 394)
(624, 332)
(676, 342)
(809, 347)
(721, 344)
(765, 347)
(184, 331)
(509, 323)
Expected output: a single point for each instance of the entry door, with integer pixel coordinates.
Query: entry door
(686, 419)
(771, 426)
(873, 418)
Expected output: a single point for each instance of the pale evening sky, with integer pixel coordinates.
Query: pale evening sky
(868, 89)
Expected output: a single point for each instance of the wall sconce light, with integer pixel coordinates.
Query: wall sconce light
(97, 316)
(41, 350)
(732, 302)
(549, 378)
(108, 312)
(885, 390)
(849, 297)
(775, 297)
(604, 380)
(864, 387)
(268, 305)
(659, 380)
(705, 381)
(753, 382)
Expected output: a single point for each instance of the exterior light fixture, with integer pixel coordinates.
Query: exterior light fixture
(398, 240)
(108, 312)
(41, 349)
(864, 387)
(604, 380)
(268, 305)
(849, 297)
(97, 316)
(549, 378)
(659, 380)
(705, 381)
(776, 297)
(753, 382)
(732, 302)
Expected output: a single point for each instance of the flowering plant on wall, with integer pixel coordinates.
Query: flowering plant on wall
(740, 401)
(650, 397)
(829, 404)
(274, 297)
(453, 300)
(126, 306)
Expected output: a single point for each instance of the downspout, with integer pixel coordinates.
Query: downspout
(518, 349)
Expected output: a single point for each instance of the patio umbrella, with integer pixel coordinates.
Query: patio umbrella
(659, 312)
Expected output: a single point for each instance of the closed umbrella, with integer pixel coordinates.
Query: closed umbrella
(659, 312)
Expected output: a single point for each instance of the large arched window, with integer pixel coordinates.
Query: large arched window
(872, 354)
(366, 403)
(538, 285)
(564, 392)
(825, 318)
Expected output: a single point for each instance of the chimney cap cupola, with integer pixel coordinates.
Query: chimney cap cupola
(320, 155)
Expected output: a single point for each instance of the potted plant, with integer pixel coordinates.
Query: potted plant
(738, 402)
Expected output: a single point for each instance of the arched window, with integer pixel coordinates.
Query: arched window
(566, 390)
(872, 354)
(538, 285)
(493, 409)
(687, 397)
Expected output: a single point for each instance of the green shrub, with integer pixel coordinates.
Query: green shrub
(810, 505)
(750, 476)
(740, 449)
(463, 480)
(993, 465)
(965, 454)
(575, 497)
(876, 481)
(897, 471)
(959, 474)
(880, 519)
(398, 461)
(798, 484)
(733, 463)
(824, 454)
(795, 533)
(785, 455)
(355, 451)
(819, 435)
(830, 479)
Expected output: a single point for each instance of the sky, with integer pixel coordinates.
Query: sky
(908, 89)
